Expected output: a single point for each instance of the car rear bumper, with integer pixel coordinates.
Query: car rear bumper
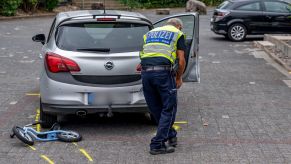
(61, 98)
(72, 110)
(218, 28)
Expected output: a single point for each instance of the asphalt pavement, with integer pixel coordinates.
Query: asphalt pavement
(240, 112)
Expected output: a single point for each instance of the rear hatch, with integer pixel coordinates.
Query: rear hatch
(107, 52)
(221, 11)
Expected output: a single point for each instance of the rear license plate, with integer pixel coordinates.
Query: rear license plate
(109, 98)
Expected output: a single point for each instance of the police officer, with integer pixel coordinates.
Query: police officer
(162, 47)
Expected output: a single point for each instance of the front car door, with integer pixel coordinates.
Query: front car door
(278, 16)
(251, 15)
(191, 30)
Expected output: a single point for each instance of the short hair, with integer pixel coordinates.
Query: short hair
(175, 22)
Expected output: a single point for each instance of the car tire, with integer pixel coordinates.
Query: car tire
(237, 32)
(47, 120)
(226, 37)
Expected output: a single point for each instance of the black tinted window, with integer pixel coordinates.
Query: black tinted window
(118, 37)
(277, 7)
(225, 5)
(250, 7)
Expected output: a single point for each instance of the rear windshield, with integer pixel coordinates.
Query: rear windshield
(111, 37)
(224, 5)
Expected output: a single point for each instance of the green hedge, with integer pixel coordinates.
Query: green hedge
(29, 5)
(51, 4)
(9, 7)
(164, 3)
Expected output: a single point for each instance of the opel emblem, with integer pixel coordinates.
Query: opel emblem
(109, 65)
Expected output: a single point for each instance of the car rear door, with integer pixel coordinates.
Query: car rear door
(191, 30)
(278, 16)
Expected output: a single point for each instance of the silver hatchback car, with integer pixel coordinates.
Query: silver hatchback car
(90, 62)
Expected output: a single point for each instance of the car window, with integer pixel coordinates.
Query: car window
(250, 7)
(188, 25)
(51, 30)
(224, 5)
(118, 37)
(277, 7)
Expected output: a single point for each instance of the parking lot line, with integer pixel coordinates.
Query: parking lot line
(47, 159)
(37, 119)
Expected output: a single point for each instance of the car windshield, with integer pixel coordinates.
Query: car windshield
(224, 5)
(101, 37)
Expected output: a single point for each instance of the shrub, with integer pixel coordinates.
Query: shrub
(132, 3)
(9, 7)
(212, 2)
(51, 4)
(164, 3)
(29, 5)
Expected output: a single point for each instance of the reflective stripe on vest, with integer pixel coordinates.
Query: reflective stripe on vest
(161, 42)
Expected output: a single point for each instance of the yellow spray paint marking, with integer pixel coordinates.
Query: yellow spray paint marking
(33, 148)
(83, 151)
(176, 127)
(37, 119)
(32, 94)
(47, 159)
(181, 122)
(86, 154)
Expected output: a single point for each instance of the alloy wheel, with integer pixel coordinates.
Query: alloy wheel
(237, 32)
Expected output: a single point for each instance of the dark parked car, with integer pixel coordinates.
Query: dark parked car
(237, 18)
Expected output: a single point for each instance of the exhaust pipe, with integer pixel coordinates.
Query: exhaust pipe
(81, 113)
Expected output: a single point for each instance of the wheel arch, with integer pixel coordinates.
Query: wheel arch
(239, 21)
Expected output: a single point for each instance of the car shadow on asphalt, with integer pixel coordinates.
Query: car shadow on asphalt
(117, 120)
(121, 127)
(248, 39)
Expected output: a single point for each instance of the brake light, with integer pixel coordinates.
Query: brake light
(106, 19)
(57, 63)
(220, 15)
(138, 68)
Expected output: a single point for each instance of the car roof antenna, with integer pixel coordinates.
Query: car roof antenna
(104, 7)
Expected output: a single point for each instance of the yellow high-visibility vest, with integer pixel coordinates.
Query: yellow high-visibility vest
(161, 42)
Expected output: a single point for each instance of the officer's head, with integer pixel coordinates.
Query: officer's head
(175, 22)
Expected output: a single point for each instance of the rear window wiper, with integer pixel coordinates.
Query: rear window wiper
(94, 49)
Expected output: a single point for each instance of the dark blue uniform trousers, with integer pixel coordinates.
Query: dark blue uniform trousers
(160, 93)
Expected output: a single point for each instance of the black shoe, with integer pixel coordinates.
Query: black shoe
(173, 141)
(163, 150)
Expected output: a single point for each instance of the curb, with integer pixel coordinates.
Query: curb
(27, 16)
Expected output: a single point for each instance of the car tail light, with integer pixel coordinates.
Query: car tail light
(220, 15)
(138, 68)
(57, 63)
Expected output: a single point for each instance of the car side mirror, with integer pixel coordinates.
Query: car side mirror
(39, 38)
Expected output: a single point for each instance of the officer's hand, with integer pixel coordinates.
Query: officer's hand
(179, 82)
